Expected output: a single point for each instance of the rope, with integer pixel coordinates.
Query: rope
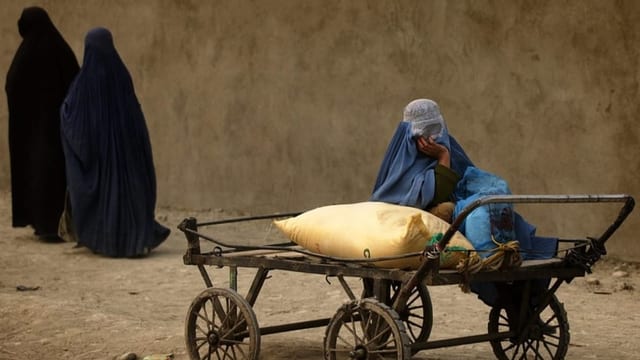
(472, 263)
(496, 261)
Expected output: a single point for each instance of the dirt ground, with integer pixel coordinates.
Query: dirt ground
(86, 306)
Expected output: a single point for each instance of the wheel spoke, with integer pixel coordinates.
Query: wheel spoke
(217, 352)
(525, 348)
(231, 328)
(371, 319)
(515, 352)
(205, 317)
(413, 323)
(352, 330)
(219, 310)
(413, 297)
(549, 350)
(225, 352)
(202, 330)
(204, 342)
(503, 320)
(538, 350)
(510, 346)
(241, 350)
(372, 337)
(380, 335)
(552, 336)
(345, 341)
(549, 343)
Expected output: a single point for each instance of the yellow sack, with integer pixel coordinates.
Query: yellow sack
(372, 229)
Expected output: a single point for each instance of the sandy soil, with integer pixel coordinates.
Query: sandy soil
(90, 307)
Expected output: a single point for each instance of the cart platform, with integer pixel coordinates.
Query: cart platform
(392, 317)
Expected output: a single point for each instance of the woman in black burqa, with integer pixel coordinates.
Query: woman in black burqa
(110, 170)
(37, 82)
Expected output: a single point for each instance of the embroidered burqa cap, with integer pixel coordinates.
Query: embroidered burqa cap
(425, 118)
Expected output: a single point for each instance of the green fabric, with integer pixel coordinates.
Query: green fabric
(446, 180)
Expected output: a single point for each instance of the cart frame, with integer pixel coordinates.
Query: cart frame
(391, 291)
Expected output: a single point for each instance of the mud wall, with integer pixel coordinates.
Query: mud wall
(279, 105)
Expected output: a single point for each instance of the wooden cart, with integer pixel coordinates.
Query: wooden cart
(392, 318)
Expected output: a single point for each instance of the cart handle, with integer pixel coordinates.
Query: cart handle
(533, 199)
(250, 218)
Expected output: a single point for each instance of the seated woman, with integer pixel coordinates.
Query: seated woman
(423, 162)
(425, 167)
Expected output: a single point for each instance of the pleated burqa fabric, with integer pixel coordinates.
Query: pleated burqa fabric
(37, 81)
(110, 170)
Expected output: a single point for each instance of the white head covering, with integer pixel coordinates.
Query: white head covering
(425, 118)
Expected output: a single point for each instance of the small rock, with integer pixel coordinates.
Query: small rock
(620, 267)
(159, 357)
(624, 286)
(127, 356)
(592, 280)
(620, 274)
(27, 288)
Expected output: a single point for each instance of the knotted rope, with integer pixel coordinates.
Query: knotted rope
(472, 263)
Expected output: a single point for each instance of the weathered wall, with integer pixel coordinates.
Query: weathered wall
(280, 105)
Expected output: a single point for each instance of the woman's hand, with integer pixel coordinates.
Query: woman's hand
(432, 149)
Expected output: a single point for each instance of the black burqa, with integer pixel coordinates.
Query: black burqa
(37, 82)
(110, 171)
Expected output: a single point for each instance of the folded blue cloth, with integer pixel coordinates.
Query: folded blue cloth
(496, 222)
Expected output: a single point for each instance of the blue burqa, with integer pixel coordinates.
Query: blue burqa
(407, 177)
(110, 171)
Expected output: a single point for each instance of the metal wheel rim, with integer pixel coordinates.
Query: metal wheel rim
(220, 324)
(546, 340)
(366, 329)
(418, 316)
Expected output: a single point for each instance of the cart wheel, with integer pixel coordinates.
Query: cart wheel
(221, 325)
(366, 329)
(417, 316)
(548, 338)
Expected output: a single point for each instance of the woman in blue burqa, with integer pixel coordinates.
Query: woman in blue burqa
(110, 171)
(425, 167)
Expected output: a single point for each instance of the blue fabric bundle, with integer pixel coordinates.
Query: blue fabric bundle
(496, 222)
(488, 223)
(110, 170)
